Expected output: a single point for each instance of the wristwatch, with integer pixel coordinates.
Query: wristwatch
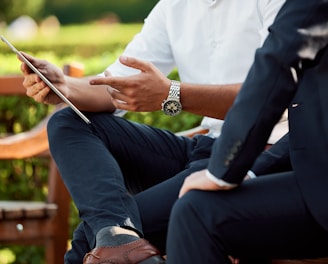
(171, 105)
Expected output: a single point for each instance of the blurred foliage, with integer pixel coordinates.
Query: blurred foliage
(22, 255)
(11, 9)
(18, 114)
(94, 45)
(87, 41)
(28, 179)
(77, 11)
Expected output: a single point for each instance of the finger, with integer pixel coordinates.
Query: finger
(233, 260)
(121, 105)
(99, 81)
(247, 177)
(41, 95)
(185, 187)
(182, 191)
(35, 89)
(117, 95)
(32, 79)
(28, 72)
(135, 63)
(116, 82)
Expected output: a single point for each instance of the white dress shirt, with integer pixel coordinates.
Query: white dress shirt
(208, 41)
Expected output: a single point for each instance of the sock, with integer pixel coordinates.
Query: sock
(115, 236)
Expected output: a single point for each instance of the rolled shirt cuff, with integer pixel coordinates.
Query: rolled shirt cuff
(251, 174)
(219, 181)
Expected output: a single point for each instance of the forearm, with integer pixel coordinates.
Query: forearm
(208, 100)
(86, 97)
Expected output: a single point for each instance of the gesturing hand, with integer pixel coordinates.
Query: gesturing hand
(143, 92)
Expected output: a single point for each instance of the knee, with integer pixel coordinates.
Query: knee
(184, 208)
(198, 207)
(60, 120)
(62, 127)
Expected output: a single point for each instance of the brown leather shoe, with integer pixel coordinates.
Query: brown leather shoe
(139, 251)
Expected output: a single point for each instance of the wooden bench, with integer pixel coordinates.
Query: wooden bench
(30, 222)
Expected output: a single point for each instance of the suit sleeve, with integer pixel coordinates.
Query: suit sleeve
(267, 91)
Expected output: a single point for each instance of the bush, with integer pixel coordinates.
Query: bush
(76, 11)
(11, 9)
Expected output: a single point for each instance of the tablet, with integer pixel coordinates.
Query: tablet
(47, 82)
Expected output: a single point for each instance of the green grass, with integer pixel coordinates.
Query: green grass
(93, 34)
(94, 45)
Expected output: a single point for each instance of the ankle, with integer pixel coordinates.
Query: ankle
(117, 230)
(115, 236)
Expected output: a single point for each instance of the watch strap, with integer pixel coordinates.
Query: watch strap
(174, 92)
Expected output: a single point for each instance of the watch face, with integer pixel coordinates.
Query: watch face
(172, 107)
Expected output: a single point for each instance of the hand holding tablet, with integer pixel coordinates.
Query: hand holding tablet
(43, 78)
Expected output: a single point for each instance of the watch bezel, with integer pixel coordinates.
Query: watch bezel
(171, 112)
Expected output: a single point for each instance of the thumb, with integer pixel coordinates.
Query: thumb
(135, 63)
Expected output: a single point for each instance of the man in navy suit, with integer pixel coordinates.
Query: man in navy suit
(285, 213)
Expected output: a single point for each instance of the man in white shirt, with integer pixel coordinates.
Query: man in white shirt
(100, 163)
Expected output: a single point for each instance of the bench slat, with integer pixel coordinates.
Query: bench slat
(24, 210)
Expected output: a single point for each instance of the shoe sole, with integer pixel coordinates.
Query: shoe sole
(153, 260)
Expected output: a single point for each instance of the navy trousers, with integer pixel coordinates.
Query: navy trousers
(120, 173)
(264, 218)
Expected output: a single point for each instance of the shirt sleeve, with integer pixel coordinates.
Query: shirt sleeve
(218, 181)
(151, 44)
(268, 10)
(251, 174)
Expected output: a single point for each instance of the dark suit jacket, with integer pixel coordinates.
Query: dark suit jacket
(274, 160)
(289, 71)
